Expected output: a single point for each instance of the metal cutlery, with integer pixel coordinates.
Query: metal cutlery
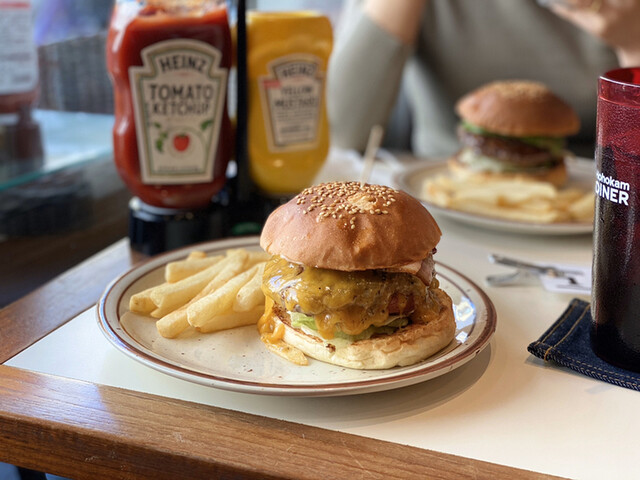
(525, 271)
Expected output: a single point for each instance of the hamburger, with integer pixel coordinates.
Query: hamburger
(351, 280)
(513, 130)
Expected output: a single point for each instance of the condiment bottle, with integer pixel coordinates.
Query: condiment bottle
(18, 58)
(287, 57)
(20, 140)
(169, 62)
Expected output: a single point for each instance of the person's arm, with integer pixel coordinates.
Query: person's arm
(400, 18)
(366, 67)
(615, 22)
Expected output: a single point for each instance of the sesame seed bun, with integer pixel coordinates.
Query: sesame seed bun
(348, 226)
(518, 108)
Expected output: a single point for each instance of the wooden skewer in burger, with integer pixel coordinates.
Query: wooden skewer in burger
(351, 280)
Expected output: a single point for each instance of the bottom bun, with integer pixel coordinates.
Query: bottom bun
(556, 175)
(407, 346)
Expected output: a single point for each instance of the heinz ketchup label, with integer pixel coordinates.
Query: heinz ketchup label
(178, 99)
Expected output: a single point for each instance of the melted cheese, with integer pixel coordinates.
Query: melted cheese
(347, 301)
(269, 331)
(272, 336)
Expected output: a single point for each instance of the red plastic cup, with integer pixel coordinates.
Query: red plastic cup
(615, 333)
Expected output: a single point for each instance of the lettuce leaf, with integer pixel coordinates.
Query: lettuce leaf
(554, 144)
(300, 320)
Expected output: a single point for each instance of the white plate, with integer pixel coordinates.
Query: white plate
(581, 174)
(237, 360)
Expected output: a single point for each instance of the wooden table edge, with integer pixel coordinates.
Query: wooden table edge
(27, 320)
(85, 430)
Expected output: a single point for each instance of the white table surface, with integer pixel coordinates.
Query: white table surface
(505, 406)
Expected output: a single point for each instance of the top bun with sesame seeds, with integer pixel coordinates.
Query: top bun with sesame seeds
(348, 226)
(518, 108)
(352, 278)
(513, 129)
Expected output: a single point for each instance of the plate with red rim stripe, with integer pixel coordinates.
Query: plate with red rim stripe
(237, 360)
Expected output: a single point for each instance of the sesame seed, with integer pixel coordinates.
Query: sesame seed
(346, 200)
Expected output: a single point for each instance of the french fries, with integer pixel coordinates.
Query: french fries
(226, 321)
(519, 200)
(176, 271)
(203, 314)
(207, 293)
(141, 302)
(170, 296)
(250, 294)
(196, 254)
(174, 323)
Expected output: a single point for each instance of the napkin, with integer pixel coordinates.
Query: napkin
(578, 280)
(343, 165)
(567, 343)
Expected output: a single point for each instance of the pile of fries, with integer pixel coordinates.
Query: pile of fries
(208, 293)
(519, 200)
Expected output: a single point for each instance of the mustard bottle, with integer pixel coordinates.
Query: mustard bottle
(287, 57)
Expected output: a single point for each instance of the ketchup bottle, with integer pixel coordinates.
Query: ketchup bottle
(169, 62)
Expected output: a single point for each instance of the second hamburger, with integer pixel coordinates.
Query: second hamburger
(513, 129)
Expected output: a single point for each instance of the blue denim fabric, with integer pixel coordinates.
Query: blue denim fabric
(567, 343)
